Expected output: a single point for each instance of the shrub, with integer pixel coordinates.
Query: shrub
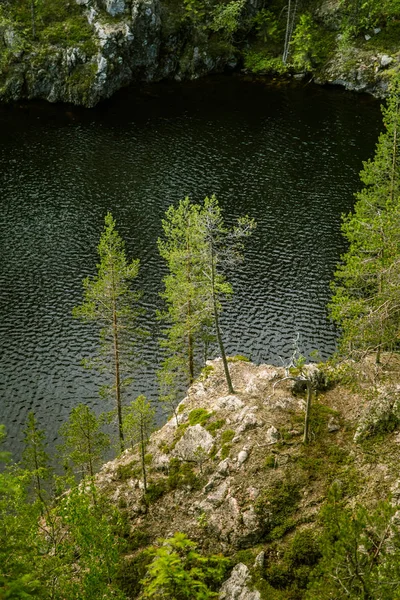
(276, 505)
(199, 416)
(155, 490)
(178, 572)
(181, 475)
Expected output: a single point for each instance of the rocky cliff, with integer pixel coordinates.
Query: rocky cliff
(121, 41)
(99, 46)
(233, 473)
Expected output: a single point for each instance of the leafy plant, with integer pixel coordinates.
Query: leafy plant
(178, 572)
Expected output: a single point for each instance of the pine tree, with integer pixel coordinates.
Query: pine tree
(223, 250)
(84, 442)
(139, 423)
(197, 248)
(366, 300)
(188, 314)
(110, 302)
(35, 459)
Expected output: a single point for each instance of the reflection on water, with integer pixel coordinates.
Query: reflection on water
(288, 157)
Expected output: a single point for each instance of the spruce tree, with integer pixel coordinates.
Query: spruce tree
(110, 302)
(366, 290)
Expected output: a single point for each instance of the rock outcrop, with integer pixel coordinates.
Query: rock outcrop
(236, 587)
(131, 41)
(232, 472)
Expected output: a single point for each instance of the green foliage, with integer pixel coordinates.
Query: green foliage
(67, 551)
(154, 491)
(275, 507)
(215, 425)
(199, 416)
(267, 26)
(178, 572)
(308, 46)
(131, 571)
(293, 568)
(227, 436)
(270, 462)
(238, 358)
(110, 302)
(138, 539)
(87, 546)
(125, 472)
(181, 475)
(225, 451)
(360, 552)
(362, 15)
(197, 248)
(84, 443)
(58, 22)
(138, 423)
(206, 371)
(226, 18)
(366, 294)
(188, 313)
(35, 459)
(19, 577)
(260, 62)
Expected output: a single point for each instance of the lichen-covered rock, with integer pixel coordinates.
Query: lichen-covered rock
(237, 586)
(194, 440)
(382, 414)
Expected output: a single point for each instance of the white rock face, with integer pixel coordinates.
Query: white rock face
(194, 438)
(235, 588)
(229, 403)
(242, 457)
(272, 435)
(114, 7)
(386, 60)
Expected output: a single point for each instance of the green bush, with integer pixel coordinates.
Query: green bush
(125, 472)
(225, 451)
(155, 490)
(138, 539)
(198, 416)
(270, 462)
(178, 572)
(276, 505)
(182, 475)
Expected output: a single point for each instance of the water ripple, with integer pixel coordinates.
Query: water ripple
(287, 157)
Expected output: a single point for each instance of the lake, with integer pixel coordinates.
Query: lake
(287, 155)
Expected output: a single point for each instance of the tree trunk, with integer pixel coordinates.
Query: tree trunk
(286, 46)
(189, 314)
(308, 410)
(33, 19)
(217, 328)
(142, 449)
(117, 371)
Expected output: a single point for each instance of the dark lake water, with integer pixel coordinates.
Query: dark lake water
(287, 156)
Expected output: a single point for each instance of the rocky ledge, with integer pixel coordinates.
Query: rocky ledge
(232, 472)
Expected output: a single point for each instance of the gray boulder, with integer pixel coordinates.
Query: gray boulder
(196, 439)
(236, 587)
